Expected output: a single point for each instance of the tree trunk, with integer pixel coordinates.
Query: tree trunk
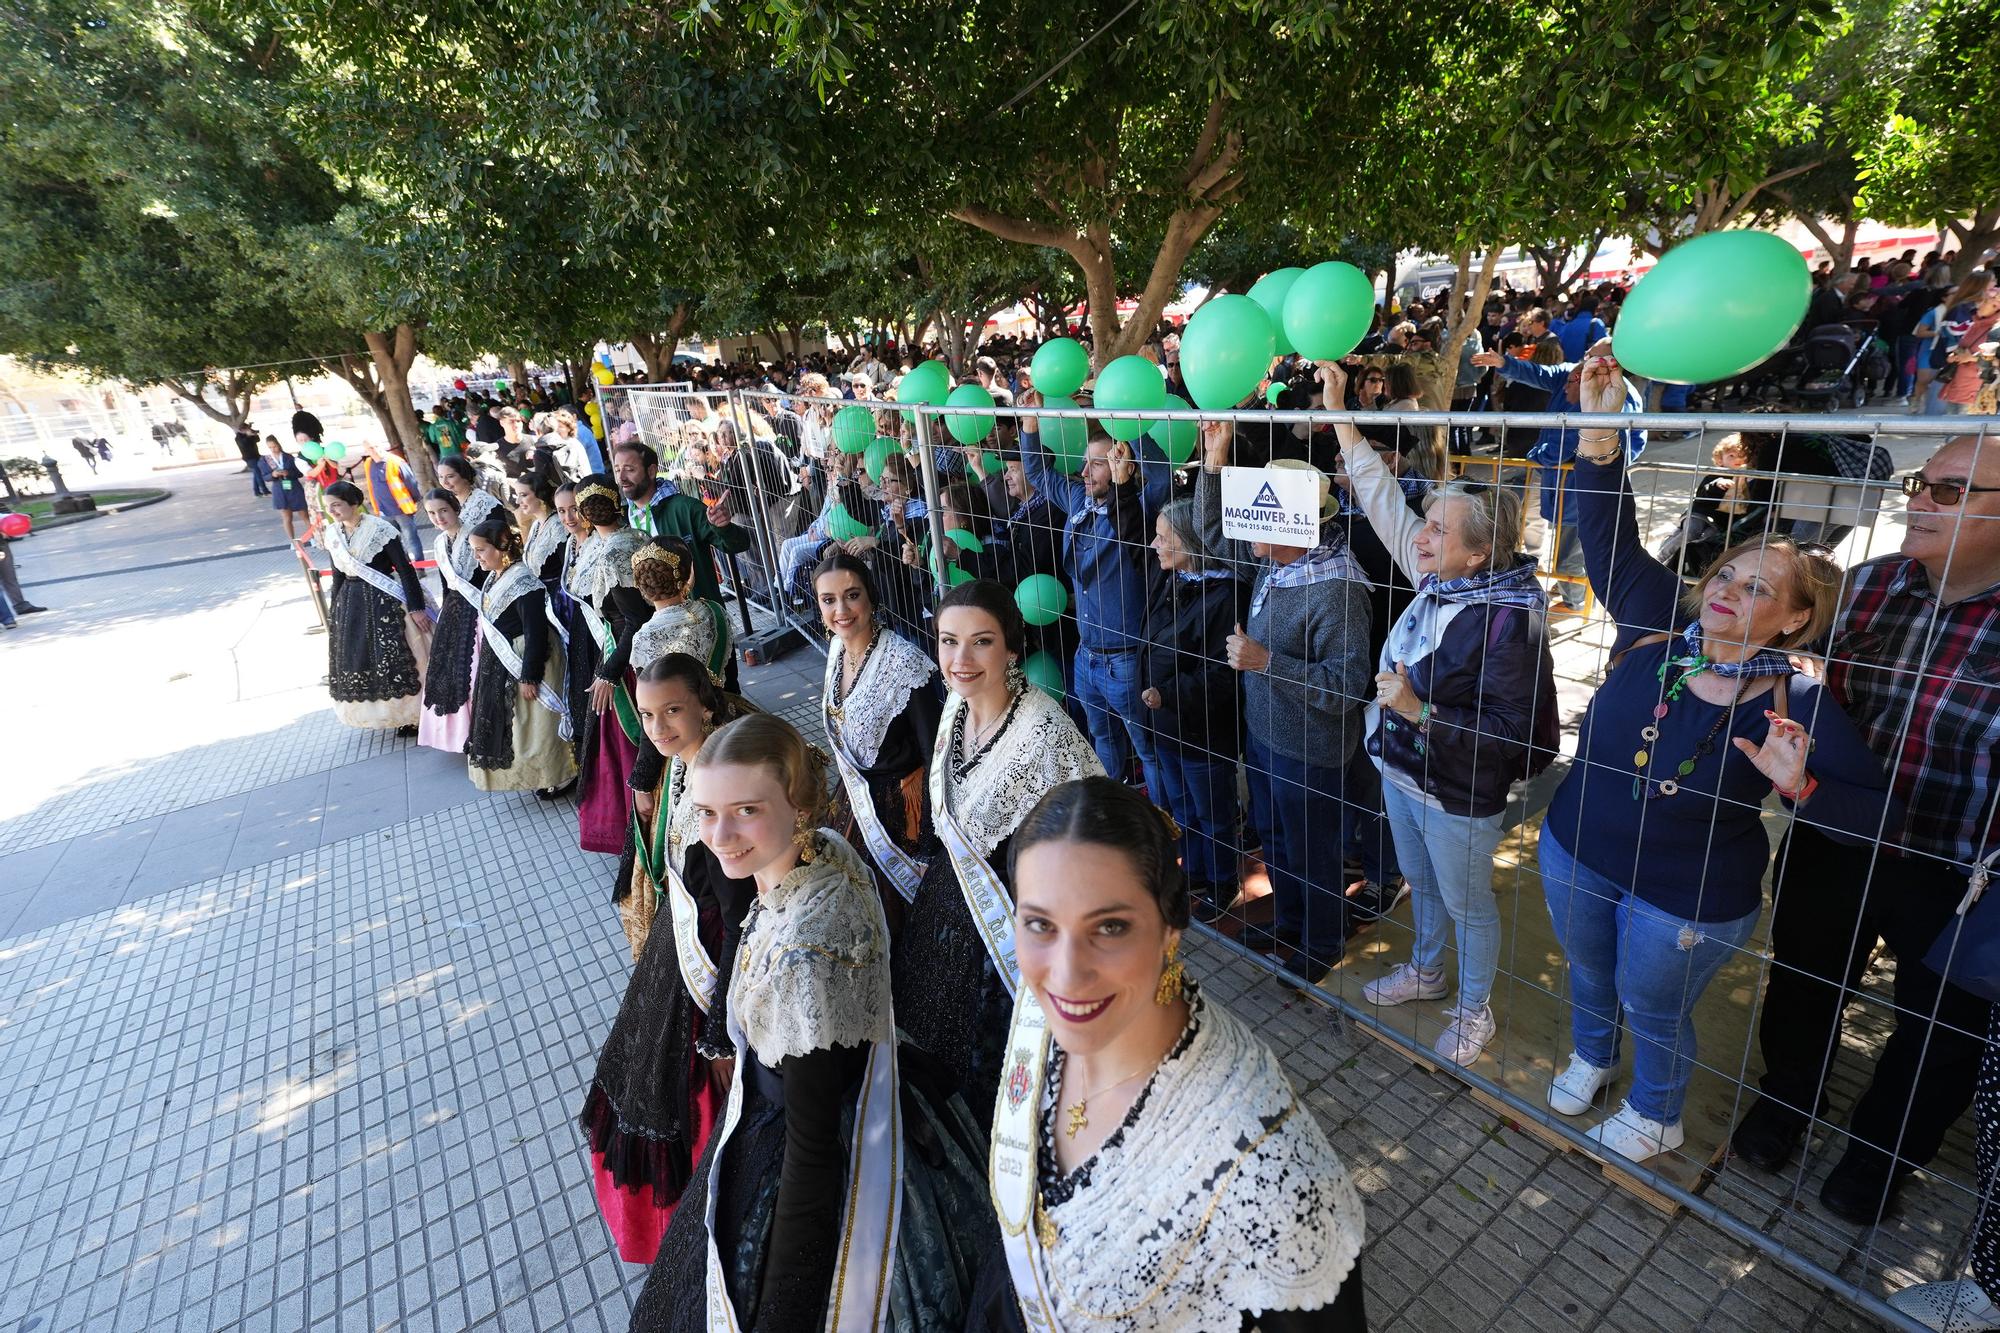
(393, 353)
(652, 353)
(1467, 306)
(1973, 236)
(517, 372)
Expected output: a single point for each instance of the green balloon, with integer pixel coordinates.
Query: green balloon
(1176, 439)
(927, 384)
(964, 540)
(969, 430)
(335, 450)
(1045, 674)
(990, 463)
(1274, 391)
(1327, 311)
(843, 526)
(1060, 367)
(1270, 291)
(1131, 383)
(1226, 351)
(312, 451)
(1042, 598)
(1713, 307)
(1065, 437)
(877, 456)
(853, 428)
(957, 576)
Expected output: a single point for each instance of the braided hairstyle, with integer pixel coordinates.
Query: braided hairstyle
(768, 740)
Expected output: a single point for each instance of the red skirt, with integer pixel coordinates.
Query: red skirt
(637, 1218)
(604, 802)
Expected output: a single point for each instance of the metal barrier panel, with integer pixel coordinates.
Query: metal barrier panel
(1262, 751)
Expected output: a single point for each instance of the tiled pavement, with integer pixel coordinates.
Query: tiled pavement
(300, 1048)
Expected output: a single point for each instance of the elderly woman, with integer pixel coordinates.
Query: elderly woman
(1654, 849)
(1463, 685)
(1192, 703)
(1302, 651)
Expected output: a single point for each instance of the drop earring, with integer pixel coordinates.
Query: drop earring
(1016, 678)
(804, 840)
(1170, 987)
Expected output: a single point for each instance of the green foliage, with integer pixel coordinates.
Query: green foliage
(1939, 155)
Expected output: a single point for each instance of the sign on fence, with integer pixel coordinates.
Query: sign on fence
(1271, 504)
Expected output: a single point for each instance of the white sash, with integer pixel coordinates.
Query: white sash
(600, 629)
(985, 896)
(1012, 1164)
(872, 1210)
(344, 561)
(504, 649)
(698, 971)
(549, 605)
(903, 870)
(454, 580)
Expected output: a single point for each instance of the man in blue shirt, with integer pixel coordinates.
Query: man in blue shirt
(1582, 328)
(1557, 446)
(1109, 509)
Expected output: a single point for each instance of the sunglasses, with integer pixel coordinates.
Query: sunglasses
(1946, 493)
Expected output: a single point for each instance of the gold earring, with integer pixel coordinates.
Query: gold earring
(804, 840)
(1170, 988)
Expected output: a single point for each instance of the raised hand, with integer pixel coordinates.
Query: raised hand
(1782, 756)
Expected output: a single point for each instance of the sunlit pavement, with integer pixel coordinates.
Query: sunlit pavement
(294, 1022)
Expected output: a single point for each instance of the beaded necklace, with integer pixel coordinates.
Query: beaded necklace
(840, 691)
(960, 769)
(1644, 788)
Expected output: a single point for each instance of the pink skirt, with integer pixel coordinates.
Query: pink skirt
(604, 802)
(448, 733)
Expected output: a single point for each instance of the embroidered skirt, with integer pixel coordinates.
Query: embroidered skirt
(371, 673)
(513, 744)
(604, 802)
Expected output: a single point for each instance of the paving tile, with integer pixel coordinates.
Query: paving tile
(165, 868)
(197, 823)
(24, 871)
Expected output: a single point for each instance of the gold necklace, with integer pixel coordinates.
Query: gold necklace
(1078, 1119)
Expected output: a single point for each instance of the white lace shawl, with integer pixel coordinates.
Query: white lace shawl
(1040, 748)
(548, 534)
(680, 815)
(505, 588)
(682, 628)
(1224, 1196)
(476, 508)
(370, 535)
(892, 672)
(604, 563)
(813, 966)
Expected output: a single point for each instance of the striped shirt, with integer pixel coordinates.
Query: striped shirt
(1922, 681)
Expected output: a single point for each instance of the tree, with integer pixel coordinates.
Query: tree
(1938, 158)
(146, 189)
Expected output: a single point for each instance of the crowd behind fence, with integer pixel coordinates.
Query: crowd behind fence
(1824, 482)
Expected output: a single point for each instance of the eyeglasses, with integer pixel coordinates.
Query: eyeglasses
(1946, 493)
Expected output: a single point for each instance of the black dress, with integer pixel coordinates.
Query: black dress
(448, 683)
(962, 1027)
(368, 658)
(489, 742)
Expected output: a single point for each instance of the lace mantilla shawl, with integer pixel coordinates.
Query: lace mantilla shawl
(505, 588)
(542, 542)
(1040, 748)
(674, 629)
(893, 670)
(813, 968)
(360, 546)
(680, 815)
(476, 509)
(1223, 1196)
(604, 563)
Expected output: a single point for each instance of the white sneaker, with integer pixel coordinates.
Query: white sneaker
(1467, 1035)
(1404, 984)
(1632, 1135)
(1577, 1086)
(1950, 1307)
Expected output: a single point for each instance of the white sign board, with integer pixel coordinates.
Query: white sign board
(1276, 505)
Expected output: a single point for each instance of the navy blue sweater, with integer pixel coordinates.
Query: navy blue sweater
(1699, 855)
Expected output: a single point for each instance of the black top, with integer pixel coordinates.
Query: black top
(625, 610)
(391, 560)
(526, 618)
(1188, 622)
(815, 1090)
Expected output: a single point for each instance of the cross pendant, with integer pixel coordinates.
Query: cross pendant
(1077, 1119)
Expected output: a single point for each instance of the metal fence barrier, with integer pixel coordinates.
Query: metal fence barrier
(1822, 479)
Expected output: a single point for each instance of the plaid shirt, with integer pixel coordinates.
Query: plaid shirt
(1922, 681)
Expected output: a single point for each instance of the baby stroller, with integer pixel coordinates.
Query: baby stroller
(1733, 507)
(1830, 375)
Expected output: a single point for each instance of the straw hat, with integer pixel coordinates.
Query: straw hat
(1327, 506)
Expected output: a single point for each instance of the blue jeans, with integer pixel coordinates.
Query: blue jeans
(796, 555)
(1625, 953)
(1290, 800)
(1107, 685)
(1364, 833)
(1448, 860)
(6, 609)
(413, 537)
(1199, 790)
(1909, 354)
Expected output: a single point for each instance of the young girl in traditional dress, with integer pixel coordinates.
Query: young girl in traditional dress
(835, 1194)
(611, 610)
(654, 1097)
(447, 713)
(1001, 744)
(880, 704)
(377, 600)
(663, 571)
(1152, 1167)
(515, 742)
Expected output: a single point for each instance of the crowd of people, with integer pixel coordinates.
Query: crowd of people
(947, 944)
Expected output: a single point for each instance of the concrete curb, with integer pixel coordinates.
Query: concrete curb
(64, 520)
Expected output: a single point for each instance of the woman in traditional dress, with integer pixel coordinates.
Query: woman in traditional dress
(837, 1193)
(611, 611)
(1001, 744)
(579, 653)
(542, 530)
(377, 604)
(518, 716)
(663, 571)
(881, 706)
(447, 712)
(654, 1099)
(475, 503)
(1152, 1166)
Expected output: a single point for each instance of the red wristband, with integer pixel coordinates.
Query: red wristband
(1802, 795)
